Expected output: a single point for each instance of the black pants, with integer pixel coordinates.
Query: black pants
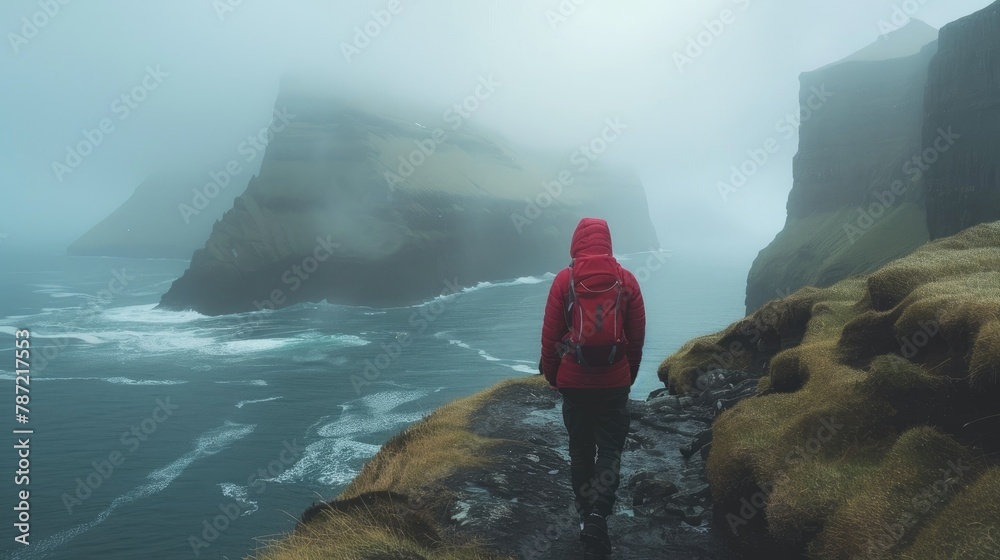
(597, 421)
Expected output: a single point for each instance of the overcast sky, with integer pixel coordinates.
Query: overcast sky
(216, 70)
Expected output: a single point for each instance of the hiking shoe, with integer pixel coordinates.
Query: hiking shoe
(595, 534)
(583, 521)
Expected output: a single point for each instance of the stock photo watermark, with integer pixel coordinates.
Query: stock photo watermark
(699, 43)
(122, 107)
(952, 477)
(225, 7)
(455, 116)
(365, 35)
(31, 26)
(758, 157)
(887, 199)
(563, 12)
(902, 14)
(810, 448)
(251, 148)
(581, 159)
(103, 468)
(420, 321)
(115, 287)
(215, 526)
(724, 358)
(299, 273)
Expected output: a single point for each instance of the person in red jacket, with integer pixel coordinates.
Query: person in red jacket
(594, 381)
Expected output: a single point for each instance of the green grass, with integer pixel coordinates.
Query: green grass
(897, 362)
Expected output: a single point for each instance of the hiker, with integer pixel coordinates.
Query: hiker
(592, 337)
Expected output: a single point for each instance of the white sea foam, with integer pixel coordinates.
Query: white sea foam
(149, 314)
(206, 445)
(338, 437)
(113, 380)
(251, 346)
(128, 381)
(89, 338)
(241, 495)
(516, 365)
(241, 404)
(523, 281)
(482, 353)
(216, 341)
(330, 462)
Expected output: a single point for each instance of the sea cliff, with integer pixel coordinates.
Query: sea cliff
(357, 208)
(852, 207)
(904, 151)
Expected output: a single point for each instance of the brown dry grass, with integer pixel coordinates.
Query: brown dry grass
(390, 509)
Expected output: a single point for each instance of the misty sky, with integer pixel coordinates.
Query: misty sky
(216, 74)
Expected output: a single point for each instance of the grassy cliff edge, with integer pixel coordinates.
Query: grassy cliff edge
(391, 510)
(870, 435)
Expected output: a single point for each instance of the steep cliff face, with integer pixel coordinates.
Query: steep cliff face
(152, 223)
(854, 205)
(357, 208)
(963, 95)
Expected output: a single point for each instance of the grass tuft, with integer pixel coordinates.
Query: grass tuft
(868, 402)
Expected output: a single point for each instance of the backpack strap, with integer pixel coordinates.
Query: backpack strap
(570, 298)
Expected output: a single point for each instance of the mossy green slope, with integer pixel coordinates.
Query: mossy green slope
(867, 438)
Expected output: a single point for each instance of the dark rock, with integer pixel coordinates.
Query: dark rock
(516, 507)
(701, 440)
(865, 121)
(650, 490)
(705, 451)
(963, 95)
(329, 200)
(658, 393)
(638, 477)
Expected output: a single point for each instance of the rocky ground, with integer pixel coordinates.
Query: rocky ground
(521, 504)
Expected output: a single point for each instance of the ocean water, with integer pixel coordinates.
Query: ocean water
(151, 426)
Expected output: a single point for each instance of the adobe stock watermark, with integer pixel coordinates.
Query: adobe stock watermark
(886, 199)
(699, 43)
(115, 287)
(725, 358)
(581, 160)
(420, 321)
(909, 346)
(225, 7)
(455, 116)
(131, 440)
(365, 34)
(656, 260)
(566, 523)
(32, 25)
(920, 505)
(213, 527)
(810, 448)
(299, 273)
(250, 149)
(563, 12)
(759, 157)
(901, 16)
(122, 107)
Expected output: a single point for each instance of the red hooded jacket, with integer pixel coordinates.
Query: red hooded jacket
(592, 238)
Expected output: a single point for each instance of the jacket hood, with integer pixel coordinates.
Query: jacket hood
(591, 238)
